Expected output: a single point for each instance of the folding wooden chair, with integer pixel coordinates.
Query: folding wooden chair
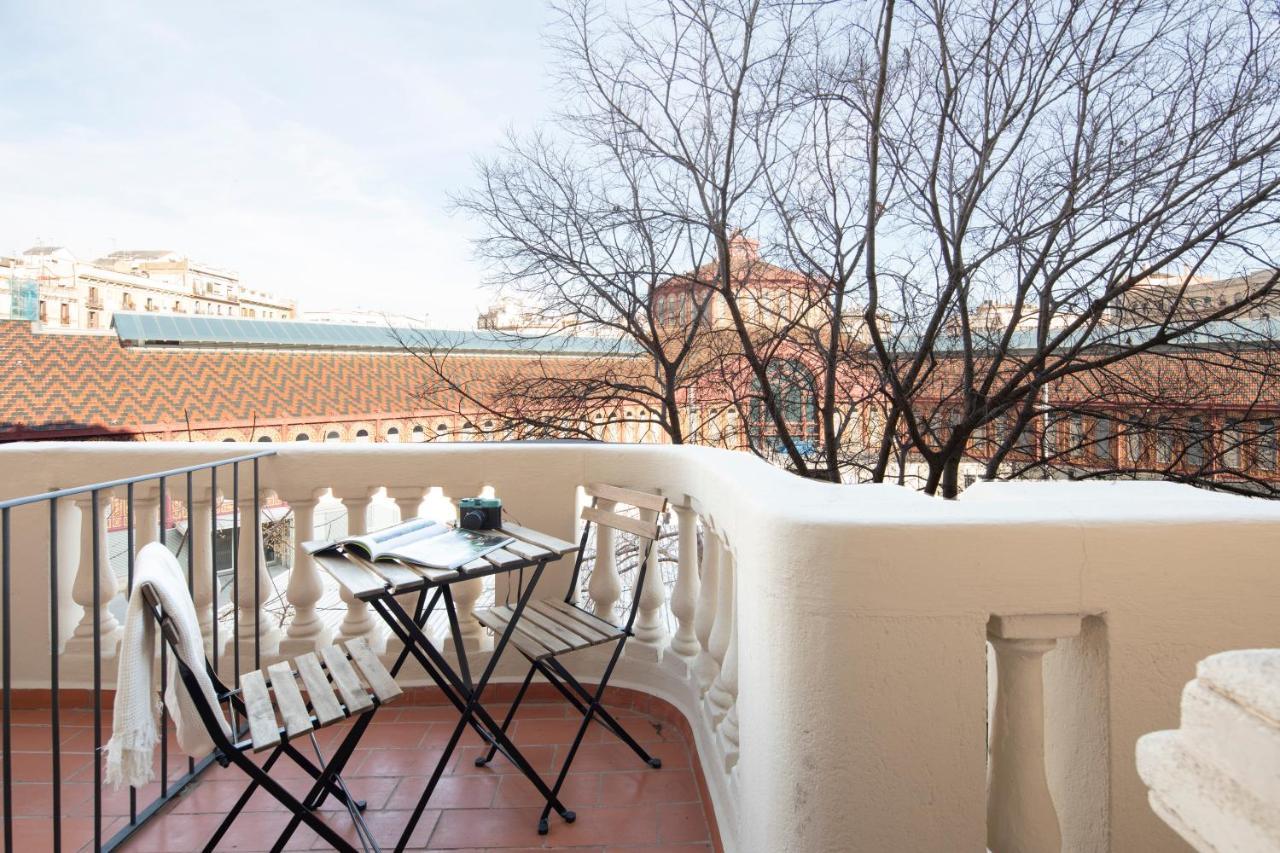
(263, 693)
(549, 629)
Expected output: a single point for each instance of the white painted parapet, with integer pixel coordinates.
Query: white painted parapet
(831, 657)
(1216, 778)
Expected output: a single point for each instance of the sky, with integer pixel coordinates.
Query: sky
(310, 146)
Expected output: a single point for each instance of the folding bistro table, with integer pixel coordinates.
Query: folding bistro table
(379, 584)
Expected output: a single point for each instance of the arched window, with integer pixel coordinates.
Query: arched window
(332, 435)
(302, 436)
(442, 427)
(393, 435)
(419, 434)
(362, 435)
(265, 438)
(795, 393)
(229, 439)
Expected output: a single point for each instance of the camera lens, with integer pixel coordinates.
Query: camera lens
(473, 519)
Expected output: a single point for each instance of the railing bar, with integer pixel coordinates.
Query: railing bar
(97, 673)
(131, 541)
(164, 658)
(4, 664)
(54, 728)
(257, 538)
(124, 481)
(235, 575)
(213, 559)
(191, 572)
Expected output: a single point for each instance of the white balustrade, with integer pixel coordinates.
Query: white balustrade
(720, 696)
(605, 586)
(307, 631)
(684, 596)
(838, 609)
(1020, 812)
(705, 665)
(650, 626)
(108, 631)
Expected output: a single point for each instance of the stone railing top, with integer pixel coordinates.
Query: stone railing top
(1250, 677)
(750, 483)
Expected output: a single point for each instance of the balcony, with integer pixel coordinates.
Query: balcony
(842, 667)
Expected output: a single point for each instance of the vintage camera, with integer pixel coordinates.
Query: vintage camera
(480, 513)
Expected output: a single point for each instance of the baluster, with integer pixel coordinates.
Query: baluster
(200, 539)
(728, 683)
(651, 629)
(81, 641)
(720, 696)
(146, 510)
(604, 586)
(465, 596)
(1020, 811)
(251, 557)
(704, 666)
(307, 631)
(358, 621)
(409, 501)
(684, 598)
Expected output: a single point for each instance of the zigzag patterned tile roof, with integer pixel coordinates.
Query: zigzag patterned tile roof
(77, 384)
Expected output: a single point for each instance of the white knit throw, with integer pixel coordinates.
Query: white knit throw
(135, 721)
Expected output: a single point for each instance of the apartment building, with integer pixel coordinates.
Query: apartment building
(51, 286)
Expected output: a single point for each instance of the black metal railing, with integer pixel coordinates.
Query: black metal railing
(138, 812)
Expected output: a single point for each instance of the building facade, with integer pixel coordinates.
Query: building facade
(50, 286)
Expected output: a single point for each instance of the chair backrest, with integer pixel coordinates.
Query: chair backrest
(646, 531)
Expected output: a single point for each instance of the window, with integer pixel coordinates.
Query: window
(1267, 445)
(1231, 444)
(93, 296)
(442, 428)
(362, 435)
(332, 435)
(1102, 440)
(265, 438)
(1134, 441)
(64, 314)
(1164, 444)
(151, 304)
(419, 434)
(228, 439)
(302, 436)
(93, 319)
(393, 435)
(44, 311)
(1197, 443)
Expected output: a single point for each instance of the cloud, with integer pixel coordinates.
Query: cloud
(315, 160)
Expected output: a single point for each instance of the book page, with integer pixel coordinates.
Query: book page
(449, 550)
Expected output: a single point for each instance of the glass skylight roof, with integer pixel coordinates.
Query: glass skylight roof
(145, 329)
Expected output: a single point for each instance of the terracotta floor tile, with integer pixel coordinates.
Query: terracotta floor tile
(393, 762)
(563, 731)
(580, 791)
(666, 785)
(452, 792)
(682, 822)
(540, 757)
(614, 755)
(488, 828)
(635, 824)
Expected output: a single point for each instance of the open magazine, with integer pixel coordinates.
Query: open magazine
(421, 542)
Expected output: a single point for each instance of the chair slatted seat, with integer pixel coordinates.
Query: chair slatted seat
(548, 629)
(275, 704)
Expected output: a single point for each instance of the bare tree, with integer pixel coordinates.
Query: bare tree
(978, 202)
